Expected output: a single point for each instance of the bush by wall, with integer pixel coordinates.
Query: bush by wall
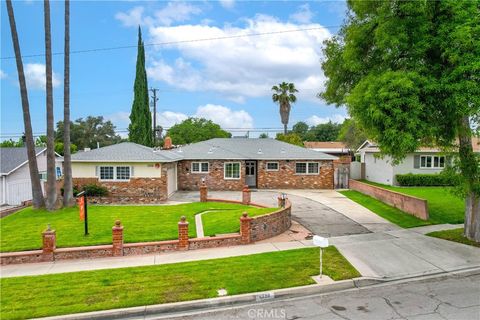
(95, 190)
(411, 180)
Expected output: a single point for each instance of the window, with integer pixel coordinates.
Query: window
(58, 172)
(123, 173)
(432, 162)
(307, 168)
(43, 175)
(232, 170)
(200, 167)
(272, 166)
(106, 173)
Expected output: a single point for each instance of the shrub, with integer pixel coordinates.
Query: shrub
(411, 180)
(94, 190)
(75, 191)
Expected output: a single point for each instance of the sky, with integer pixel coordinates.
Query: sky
(227, 80)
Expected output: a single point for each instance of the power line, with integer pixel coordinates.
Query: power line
(176, 42)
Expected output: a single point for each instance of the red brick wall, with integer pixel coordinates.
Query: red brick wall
(214, 178)
(285, 177)
(409, 204)
(270, 225)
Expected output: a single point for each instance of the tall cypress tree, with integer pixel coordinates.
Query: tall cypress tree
(140, 128)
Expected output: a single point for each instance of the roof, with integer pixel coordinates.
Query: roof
(125, 152)
(13, 158)
(325, 145)
(248, 149)
(369, 146)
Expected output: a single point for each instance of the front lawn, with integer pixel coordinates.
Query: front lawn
(57, 294)
(455, 235)
(22, 230)
(385, 211)
(217, 222)
(443, 205)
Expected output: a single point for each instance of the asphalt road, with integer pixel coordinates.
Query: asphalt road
(453, 297)
(316, 217)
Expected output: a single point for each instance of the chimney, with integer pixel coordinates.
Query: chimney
(167, 144)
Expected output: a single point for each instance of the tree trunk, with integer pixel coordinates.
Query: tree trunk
(51, 174)
(37, 195)
(68, 199)
(285, 115)
(469, 169)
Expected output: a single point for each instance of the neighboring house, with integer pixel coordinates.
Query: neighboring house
(426, 160)
(129, 169)
(334, 148)
(16, 186)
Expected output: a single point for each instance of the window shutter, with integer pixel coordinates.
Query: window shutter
(416, 161)
(131, 172)
(97, 171)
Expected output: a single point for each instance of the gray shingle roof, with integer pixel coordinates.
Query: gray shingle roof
(124, 152)
(245, 149)
(11, 158)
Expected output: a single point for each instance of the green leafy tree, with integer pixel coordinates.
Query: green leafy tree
(284, 95)
(140, 128)
(352, 134)
(59, 148)
(326, 131)
(85, 133)
(195, 130)
(408, 71)
(301, 128)
(291, 138)
(12, 144)
(263, 135)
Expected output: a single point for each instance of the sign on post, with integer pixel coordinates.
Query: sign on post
(322, 243)
(82, 206)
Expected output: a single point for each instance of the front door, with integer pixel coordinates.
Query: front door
(251, 173)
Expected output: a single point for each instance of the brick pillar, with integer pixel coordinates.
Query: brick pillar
(246, 195)
(203, 192)
(49, 238)
(117, 239)
(183, 234)
(245, 231)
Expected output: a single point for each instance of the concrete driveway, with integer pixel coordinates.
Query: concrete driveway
(313, 215)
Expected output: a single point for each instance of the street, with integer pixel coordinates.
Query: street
(452, 297)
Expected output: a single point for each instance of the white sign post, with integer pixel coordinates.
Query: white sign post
(322, 243)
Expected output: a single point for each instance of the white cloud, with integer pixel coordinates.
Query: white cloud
(3, 75)
(303, 15)
(121, 119)
(35, 76)
(167, 119)
(316, 120)
(225, 117)
(227, 4)
(173, 12)
(245, 66)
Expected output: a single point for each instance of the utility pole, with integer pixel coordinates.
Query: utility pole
(154, 100)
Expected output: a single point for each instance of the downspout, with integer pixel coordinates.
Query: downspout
(4, 190)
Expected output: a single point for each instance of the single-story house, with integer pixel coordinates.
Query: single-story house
(129, 169)
(16, 186)
(334, 148)
(425, 160)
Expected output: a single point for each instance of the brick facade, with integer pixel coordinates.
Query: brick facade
(284, 178)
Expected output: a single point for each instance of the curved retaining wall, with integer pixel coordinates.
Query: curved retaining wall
(272, 224)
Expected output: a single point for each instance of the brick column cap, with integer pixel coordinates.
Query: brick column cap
(183, 221)
(245, 217)
(48, 230)
(118, 225)
(245, 188)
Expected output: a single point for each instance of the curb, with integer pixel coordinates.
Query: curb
(247, 298)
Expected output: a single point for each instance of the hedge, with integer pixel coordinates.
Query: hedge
(411, 180)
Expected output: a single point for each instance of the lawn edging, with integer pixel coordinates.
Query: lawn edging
(408, 204)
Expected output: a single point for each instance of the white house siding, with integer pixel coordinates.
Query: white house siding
(406, 166)
(140, 170)
(378, 170)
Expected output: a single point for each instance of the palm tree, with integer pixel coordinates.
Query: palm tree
(284, 95)
(51, 174)
(68, 199)
(37, 195)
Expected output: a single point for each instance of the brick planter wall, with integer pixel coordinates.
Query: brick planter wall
(270, 225)
(409, 204)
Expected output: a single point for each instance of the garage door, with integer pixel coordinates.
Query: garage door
(18, 191)
(172, 180)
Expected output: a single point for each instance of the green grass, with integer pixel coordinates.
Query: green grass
(443, 205)
(217, 222)
(455, 235)
(385, 211)
(58, 294)
(22, 230)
